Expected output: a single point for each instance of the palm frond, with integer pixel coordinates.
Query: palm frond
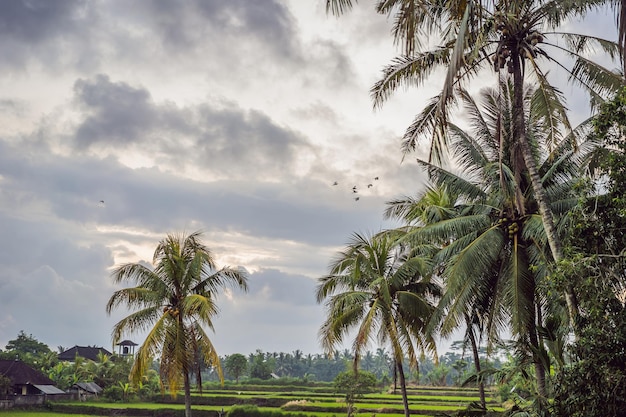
(338, 7)
(406, 71)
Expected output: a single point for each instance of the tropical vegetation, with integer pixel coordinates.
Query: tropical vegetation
(504, 184)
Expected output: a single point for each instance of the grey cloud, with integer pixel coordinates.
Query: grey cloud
(291, 317)
(184, 24)
(224, 139)
(34, 21)
(56, 34)
(247, 142)
(116, 112)
(72, 188)
(81, 35)
(275, 286)
(52, 277)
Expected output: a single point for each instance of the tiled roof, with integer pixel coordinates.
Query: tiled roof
(20, 374)
(87, 352)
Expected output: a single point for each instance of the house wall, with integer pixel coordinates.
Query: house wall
(28, 400)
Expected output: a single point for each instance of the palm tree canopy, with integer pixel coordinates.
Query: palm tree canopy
(172, 301)
(492, 241)
(471, 36)
(381, 289)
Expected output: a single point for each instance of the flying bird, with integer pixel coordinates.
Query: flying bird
(369, 185)
(375, 178)
(357, 198)
(335, 183)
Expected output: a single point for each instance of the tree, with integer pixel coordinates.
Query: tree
(383, 289)
(471, 36)
(236, 365)
(25, 345)
(354, 384)
(173, 300)
(260, 366)
(493, 253)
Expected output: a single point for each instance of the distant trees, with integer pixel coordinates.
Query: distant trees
(236, 364)
(260, 365)
(27, 349)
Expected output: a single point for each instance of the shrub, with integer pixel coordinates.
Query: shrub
(113, 393)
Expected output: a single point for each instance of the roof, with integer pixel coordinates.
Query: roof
(87, 352)
(91, 387)
(49, 389)
(127, 343)
(21, 374)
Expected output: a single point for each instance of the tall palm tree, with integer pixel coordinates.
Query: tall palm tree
(512, 36)
(173, 300)
(492, 241)
(437, 204)
(383, 290)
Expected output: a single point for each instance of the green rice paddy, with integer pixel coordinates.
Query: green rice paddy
(423, 402)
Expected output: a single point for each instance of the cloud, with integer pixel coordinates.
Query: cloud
(219, 138)
(287, 304)
(230, 117)
(54, 286)
(116, 112)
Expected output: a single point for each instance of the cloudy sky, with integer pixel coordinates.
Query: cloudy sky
(230, 117)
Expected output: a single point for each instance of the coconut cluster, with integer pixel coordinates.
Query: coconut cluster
(172, 311)
(511, 226)
(510, 39)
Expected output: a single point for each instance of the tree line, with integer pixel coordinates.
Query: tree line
(111, 372)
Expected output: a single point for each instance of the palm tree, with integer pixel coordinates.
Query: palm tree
(383, 289)
(491, 237)
(473, 35)
(172, 301)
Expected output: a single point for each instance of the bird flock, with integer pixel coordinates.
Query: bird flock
(355, 189)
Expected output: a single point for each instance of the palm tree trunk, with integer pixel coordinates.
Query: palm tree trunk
(187, 393)
(540, 371)
(481, 384)
(405, 399)
(519, 134)
(395, 378)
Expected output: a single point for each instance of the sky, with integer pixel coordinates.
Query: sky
(124, 121)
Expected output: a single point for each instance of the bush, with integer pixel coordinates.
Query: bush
(113, 393)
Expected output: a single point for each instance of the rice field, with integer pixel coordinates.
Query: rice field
(423, 401)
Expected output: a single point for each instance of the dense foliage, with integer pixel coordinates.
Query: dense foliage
(594, 384)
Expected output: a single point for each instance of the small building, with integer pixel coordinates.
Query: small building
(86, 352)
(26, 380)
(85, 390)
(126, 348)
